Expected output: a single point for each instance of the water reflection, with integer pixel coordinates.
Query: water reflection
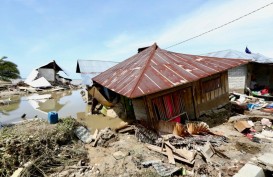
(66, 103)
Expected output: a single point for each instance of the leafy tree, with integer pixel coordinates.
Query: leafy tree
(8, 70)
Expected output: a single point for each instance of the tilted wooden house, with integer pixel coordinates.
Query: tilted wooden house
(164, 85)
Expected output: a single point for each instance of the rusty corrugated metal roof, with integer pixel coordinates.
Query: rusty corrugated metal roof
(155, 69)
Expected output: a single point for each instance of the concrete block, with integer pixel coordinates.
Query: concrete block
(250, 170)
(266, 159)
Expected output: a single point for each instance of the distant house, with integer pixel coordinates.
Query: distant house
(90, 68)
(259, 69)
(157, 84)
(44, 75)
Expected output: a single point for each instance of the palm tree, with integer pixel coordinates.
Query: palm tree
(8, 70)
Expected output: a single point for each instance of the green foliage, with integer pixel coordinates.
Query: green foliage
(8, 70)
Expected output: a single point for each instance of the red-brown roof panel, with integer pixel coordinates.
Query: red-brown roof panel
(154, 70)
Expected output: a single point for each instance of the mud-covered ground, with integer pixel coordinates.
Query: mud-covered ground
(42, 149)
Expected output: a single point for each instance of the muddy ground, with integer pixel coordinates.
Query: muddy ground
(31, 140)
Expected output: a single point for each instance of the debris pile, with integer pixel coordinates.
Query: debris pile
(259, 130)
(181, 143)
(100, 138)
(36, 148)
(250, 103)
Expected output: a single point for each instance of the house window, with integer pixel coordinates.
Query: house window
(211, 84)
(169, 107)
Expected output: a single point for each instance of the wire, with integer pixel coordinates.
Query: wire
(221, 25)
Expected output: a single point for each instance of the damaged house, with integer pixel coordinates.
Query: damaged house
(157, 84)
(47, 76)
(91, 68)
(256, 75)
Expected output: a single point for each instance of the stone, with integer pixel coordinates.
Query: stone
(83, 134)
(250, 170)
(119, 155)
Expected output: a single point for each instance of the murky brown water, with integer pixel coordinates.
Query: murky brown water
(66, 103)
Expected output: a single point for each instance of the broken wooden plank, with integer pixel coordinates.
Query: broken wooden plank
(220, 154)
(96, 140)
(170, 155)
(95, 134)
(127, 129)
(122, 126)
(170, 146)
(207, 151)
(162, 144)
(158, 149)
(189, 155)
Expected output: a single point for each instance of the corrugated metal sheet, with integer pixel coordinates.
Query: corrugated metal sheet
(234, 54)
(155, 69)
(91, 68)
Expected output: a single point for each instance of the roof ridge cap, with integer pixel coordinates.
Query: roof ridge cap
(154, 47)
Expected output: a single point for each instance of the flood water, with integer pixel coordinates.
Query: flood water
(67, 103)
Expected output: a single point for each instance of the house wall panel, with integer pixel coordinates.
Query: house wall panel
(140, 109)
(212, 99)
(48, 74)
(237, 78)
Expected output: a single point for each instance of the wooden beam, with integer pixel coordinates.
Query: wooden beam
(158, 149)
(170, 155)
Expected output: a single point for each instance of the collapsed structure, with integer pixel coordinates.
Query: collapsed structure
(157, 84)
(46, 75)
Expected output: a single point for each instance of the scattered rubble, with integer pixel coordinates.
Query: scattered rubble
(45, 148)
(133, 149)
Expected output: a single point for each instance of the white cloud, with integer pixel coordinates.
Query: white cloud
(251, 30)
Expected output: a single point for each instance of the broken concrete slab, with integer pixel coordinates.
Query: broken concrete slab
(250, 170)
(266, 159)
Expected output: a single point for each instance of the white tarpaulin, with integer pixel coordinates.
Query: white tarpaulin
(234, 54)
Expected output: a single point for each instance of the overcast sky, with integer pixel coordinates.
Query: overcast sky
(34, 32)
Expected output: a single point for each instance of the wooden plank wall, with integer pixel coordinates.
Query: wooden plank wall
(210, 100)
(196, 100)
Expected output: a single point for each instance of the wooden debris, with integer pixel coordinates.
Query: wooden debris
(170, 146)
(170, 155)
(158, 149)
(95, 134)
(195, 128)
(217, 152)
(174, 128)
(207, 151)
(189, 155)
(122, 126)
(96, 140)
(127, 129)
